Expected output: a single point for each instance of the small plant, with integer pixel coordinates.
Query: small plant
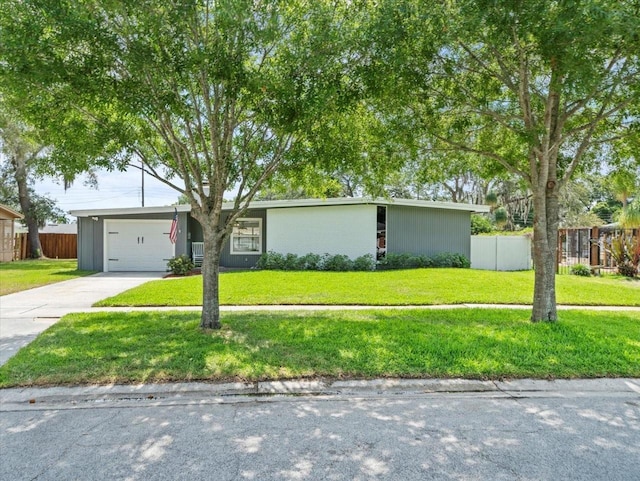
(180, 265)
(580, 270)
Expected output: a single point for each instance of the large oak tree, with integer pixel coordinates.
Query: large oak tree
(213, 96)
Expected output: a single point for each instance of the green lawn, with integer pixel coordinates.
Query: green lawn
(466, 343)
(22, 275)
(404, 287)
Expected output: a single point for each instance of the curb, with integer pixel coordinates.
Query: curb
(200, 392)
(351, 307)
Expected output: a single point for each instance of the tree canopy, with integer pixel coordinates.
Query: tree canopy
(213, 96)
(216, 96)
(538, 89)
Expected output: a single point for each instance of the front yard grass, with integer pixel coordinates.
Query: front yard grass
(460, 343)
(27, 274)
(403, 287)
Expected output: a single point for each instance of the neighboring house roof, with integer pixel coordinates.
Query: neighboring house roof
(59, 229)
(282, 204)
(8, 213)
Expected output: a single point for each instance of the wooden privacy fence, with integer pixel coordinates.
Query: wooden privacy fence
(54, 246)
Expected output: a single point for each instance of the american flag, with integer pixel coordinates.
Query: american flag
(173, 233)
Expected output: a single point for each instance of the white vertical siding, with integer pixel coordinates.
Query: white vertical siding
(344, 229)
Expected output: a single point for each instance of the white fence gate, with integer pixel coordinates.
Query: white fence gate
(501, 253)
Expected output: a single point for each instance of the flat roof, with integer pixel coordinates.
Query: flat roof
(283, 204)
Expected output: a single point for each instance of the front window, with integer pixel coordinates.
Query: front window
(246, 237)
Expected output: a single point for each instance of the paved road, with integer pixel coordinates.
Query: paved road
(587, 430)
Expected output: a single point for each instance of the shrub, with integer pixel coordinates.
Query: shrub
(336, 262)
(449, 259)
(480, 225)
(180, 265)
(310, 262)
(425, 261)
(580, 270)
(339, 262)
(364, 263)
(394, 261)
(291, 262)
(270, 261)
(408, 261)
(627, 270)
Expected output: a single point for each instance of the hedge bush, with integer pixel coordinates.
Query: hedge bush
(364, 263)
(339, 262)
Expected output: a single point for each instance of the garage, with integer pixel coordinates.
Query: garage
(137, 245)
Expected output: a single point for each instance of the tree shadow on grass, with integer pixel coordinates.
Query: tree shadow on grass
(166, 346)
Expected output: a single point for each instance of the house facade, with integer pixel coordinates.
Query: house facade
(137, 239)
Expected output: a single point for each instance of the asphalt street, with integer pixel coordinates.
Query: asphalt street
(564, 431)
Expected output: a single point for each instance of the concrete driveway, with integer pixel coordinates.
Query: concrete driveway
(24, 315)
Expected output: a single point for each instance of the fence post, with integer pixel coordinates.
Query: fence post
(594, 252)
(559, 251)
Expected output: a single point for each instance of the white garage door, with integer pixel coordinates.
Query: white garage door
(137, 245)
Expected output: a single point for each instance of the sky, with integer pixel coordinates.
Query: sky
(115, 189)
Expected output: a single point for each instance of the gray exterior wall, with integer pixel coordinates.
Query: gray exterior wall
(415, 230)
(91, 237)
(227, 259)
(90, 244)
(425, 231)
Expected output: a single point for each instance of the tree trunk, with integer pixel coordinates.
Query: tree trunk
(545, 239)
(33, 236)
(213, 243)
